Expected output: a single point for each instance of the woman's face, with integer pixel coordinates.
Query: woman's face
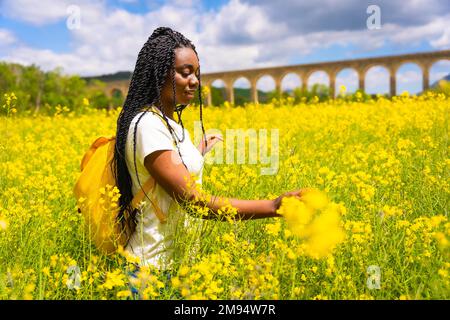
(186, 78)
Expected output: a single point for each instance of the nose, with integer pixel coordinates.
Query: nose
(193, 81)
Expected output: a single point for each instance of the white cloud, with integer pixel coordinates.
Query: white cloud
(266, 83)
(107, 41)
(377, 80)
(436, 32)
(6, 38)
(218, 83)
(347, 78)
(341, 15)
(291, 81)
(183, 3)
(222, 57)
(436, 76)
(242, 83)
(238, 23)
(319, 77)
(71, 63)
(439, 70)
(410, 81)
(409, 77)
(237, 36)
(36, 12)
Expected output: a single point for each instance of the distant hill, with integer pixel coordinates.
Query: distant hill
(121, 75)
(446, 78)
(218, 94)
(240, 95)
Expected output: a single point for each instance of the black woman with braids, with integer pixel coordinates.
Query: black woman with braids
(149, 142)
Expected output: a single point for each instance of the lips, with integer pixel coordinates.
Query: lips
(190, 93)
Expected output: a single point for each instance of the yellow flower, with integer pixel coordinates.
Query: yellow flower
(296, 214)
(315, 220)
(183, 271)
(123, 294)
(28, 291)
(46, 271)
(315, 199)
(443, 242)
(325, 234)
(273, 228)
(113, 279)
(3, 223)
(229, 238)
(176, 282)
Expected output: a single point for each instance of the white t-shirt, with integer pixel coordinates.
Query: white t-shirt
(152, 240)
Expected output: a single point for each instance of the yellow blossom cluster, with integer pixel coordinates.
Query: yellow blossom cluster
(384, 162)
(315, 219)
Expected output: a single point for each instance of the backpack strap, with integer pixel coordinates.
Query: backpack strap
(157, 112)
(94, 146)
(149, 186)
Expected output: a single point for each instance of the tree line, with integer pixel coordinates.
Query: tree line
(47, 92)
(40, 92)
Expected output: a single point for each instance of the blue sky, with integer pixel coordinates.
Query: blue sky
(228, 34)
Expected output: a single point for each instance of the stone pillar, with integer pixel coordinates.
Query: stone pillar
(230, 92)
(425, 77)
(304, 78)
(278, 85)
(392, 81)
(332, 77)
(362, 80)
(209, 95)
(254, 92)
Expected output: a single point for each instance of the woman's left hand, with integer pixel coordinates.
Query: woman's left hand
(211, 139)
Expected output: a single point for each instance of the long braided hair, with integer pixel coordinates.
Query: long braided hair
(155, 62)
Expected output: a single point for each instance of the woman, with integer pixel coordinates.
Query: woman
(150, 142)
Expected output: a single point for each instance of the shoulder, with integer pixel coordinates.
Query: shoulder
(148, 119)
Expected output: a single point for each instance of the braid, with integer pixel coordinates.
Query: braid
(201, 111)
(154, 62)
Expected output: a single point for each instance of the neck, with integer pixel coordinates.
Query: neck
(167, 109)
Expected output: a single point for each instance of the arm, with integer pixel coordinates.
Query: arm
(167, 169)
(211, 139)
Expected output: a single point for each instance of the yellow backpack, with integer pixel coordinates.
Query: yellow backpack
(97, 197)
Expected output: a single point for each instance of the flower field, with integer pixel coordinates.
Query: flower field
(382, 168)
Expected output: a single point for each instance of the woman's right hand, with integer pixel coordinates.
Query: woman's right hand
(297, 193)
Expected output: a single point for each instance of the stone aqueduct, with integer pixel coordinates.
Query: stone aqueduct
(361, 66)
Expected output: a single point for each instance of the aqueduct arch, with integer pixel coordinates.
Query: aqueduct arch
(392, 63)
(424, 60)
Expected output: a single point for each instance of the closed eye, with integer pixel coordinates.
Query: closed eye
(188, 69)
